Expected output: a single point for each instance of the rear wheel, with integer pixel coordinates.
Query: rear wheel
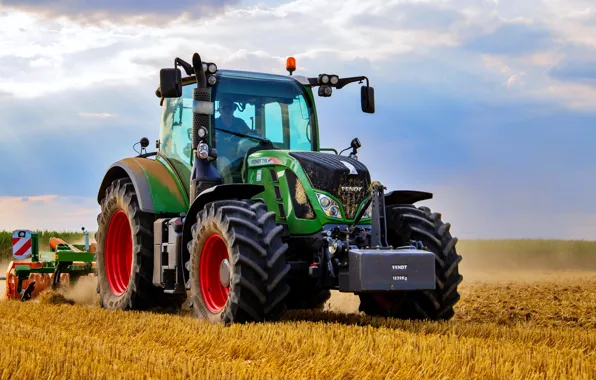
(405, 223)
(237, 263)
(124, 253)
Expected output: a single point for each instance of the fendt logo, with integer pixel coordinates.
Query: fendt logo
(351, 189)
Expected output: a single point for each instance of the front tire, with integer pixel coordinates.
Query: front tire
(237, 263)
(405, 223)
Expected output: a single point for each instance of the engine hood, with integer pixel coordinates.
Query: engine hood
(345, 178)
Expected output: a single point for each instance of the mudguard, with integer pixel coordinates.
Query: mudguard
(406, 197)
(217, 193)
(157, 189)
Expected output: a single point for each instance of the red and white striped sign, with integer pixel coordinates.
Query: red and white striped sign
(21, 244)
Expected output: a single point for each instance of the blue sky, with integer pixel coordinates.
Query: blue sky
(490, 104)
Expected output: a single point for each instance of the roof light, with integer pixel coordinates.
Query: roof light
(291, 65)
(334, 79)
(212, 68)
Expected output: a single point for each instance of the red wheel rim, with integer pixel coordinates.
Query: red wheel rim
(215, 294)
(118, 252)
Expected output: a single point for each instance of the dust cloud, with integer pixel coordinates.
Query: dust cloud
(84, 292)
(3, 266)
(509, 262)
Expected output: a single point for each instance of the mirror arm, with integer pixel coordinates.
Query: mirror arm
(342, 81)
(345, 81)
(185, 65)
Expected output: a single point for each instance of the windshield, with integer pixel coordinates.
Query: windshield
(246, 110)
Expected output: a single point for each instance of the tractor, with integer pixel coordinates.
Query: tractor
(240, 213)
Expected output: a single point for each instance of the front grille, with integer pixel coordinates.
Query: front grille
(326, 172)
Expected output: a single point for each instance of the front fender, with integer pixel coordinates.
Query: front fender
(235, 191)
(218, 193)
(406, 197)
(158, 190)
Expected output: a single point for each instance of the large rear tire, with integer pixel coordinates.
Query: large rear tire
(405, 223)
(124, 253)
(237, 263)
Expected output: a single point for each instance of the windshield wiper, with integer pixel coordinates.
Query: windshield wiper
(259, 139)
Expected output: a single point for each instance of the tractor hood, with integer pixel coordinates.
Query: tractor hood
(343, 177)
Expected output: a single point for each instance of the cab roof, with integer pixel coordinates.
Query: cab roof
(251, 75)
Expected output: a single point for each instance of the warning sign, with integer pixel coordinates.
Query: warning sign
(21, 244)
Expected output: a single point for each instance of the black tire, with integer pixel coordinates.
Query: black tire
(405, 223)
(304, 294)
(245, 234)
(120, 208)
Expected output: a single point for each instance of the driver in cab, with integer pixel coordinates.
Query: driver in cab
(227, 144)
(228, 121)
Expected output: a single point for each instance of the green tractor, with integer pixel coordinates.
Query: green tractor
(245, 216)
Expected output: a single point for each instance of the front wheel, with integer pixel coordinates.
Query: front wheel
(405, 223)
(237, 263)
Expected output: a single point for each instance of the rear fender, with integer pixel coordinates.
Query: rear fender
(157, 189)
(406, 197)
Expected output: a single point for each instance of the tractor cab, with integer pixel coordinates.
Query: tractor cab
(251, 111)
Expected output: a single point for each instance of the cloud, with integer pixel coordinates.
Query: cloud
(470, 95)
(582, 71)
(52, 212)
(118, 9)
(102, 115)
(514, 38)
(409, 16)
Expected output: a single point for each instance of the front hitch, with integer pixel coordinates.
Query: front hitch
(378, 238)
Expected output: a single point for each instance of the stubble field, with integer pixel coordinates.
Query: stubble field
(527, 310)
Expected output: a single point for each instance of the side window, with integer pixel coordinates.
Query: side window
(273, 123)
(300, 128)
(176, 127)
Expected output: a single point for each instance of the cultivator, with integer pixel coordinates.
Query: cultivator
(63, 265)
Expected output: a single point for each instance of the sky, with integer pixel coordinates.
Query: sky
(488, 104)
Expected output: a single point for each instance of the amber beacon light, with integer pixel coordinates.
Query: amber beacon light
(291, 64)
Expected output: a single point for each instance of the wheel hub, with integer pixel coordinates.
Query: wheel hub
(215, 273)
(224, 272)
(118, 252)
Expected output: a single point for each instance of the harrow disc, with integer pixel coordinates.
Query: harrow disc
(43, 281)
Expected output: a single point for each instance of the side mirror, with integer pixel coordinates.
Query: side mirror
(170, 83)
(367, 98)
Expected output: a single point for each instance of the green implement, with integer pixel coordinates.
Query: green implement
(34, 271)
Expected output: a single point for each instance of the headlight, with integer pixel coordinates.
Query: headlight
(203, 151)
(330, 207)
